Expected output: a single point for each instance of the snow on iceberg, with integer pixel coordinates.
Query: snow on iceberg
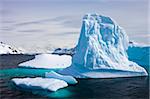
(48, 61)
(50, 84)
(68, 79)
(7, 49)
(101, 51)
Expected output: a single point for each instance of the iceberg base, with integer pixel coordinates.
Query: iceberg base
(99, 73)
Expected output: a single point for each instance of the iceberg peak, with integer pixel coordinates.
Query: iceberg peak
(101, 44)
(98, 18)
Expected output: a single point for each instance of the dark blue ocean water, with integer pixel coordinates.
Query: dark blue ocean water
(116, 88)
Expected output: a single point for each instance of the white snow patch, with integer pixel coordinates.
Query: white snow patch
(50, 84)
(48, 61)
(7, 49)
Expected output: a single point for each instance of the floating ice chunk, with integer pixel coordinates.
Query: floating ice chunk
(50, 84)
(48, 61)
(68, 79)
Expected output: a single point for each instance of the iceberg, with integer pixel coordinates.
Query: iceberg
(49, 84)
(66, 78)
(48, 61)
(101, 51)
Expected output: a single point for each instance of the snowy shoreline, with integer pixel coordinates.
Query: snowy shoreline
(8, 49)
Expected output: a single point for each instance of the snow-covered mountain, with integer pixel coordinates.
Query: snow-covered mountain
(101, 50)
(7, 49)
(64, 51)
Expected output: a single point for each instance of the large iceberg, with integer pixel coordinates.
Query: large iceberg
(101, 51)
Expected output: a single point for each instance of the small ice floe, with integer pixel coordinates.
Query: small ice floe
(48, 61)
(66, 78)
(50, 84)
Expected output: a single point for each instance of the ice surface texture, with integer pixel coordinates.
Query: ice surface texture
(66, 78)
(102, 46)
(48, 61)
(50, 84)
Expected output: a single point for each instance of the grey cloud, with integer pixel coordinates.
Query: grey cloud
(71, 23)
(57, 19)
(6, 28)
(32, 22)
(69, 33)
(65, 33)
(35, 30)
(60, 18)
(66, 21)
(8, 21)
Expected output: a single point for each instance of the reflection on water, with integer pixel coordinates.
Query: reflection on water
(63, 93)
(133, 88)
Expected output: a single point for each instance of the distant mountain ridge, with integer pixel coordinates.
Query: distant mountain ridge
(8, 49)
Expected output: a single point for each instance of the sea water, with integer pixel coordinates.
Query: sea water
(116, 88)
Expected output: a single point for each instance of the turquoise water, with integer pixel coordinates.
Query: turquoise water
(135, 88)
(24, 72)
(20, 72)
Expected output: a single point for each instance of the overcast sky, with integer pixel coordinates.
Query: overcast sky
(45, 24)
